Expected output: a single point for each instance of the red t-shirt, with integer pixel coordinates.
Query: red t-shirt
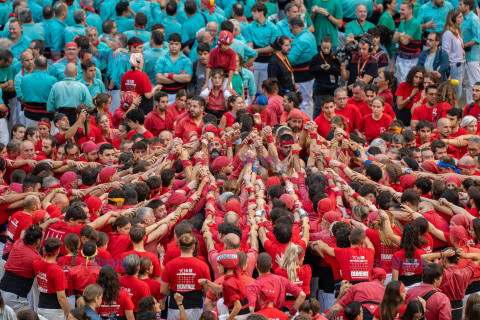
(351, 115)
(124, 302)
(154, 286)
(65, 262)
(103, 257)
(157, 270)
(59, 230)
(355, 263)
(272, 313)
(374, 128)
(155, 124)
(383, 253)
(182, 274)
(405, 90)
(233, 289)
(323, 125)
(428, 247)
(408, 267)
(274, 248)
(304, 276)
(136, 81)
(80, 276)
(19, 222)
(136, 288)
(431, 114)
(21, 260)
(147, 134)
(118, 244)
(50, 277)
(224, 60)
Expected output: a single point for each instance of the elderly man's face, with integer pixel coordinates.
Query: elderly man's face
(28, 150)
(212, 28)
(473, 149)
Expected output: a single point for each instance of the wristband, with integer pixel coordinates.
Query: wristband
(252, 201)
(186, 163)
(408, 170)
(368, 162)
(250, 190)
(303, 213)
(212, 188)
(327, 159)
(64, 162)
(172, 156)
(342, 166)
(246, 179)
(328, 176)
(238, 142)
(69, 193)
(313, 136)
(355, 196)
(370, 158)
(295, 152)
(170, 76)
(367, 153)
(229, 144)
(270, 139)
(255, 169)
(249, 160)
(259, 213)
(332, 186)
(338, 193)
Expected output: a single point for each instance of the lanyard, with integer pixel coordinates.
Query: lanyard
(321, 53)
(359, 74)
(286, 62)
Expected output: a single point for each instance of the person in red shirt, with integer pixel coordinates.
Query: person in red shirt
(424, 130)
(311, 308)
(355, 261)
(373, 125)
(267, 298)
(359, 98)
(432, 110)
(349, 112)
(136, 119)
(328, 112)
(181, 275)
(138, 81)
(192, 122)
(437, 303)
(371, 91)
(119, 240)
(260, 107)
(216, 95)
(49, 146)
(473, 109)
(160, 118)
(85, 274)
(72, 245)
(19, 275)
(145, 273)
(409, 93)
(137, 288)
(115, 299)
(130, 100)
(222, 57)
(178, 107)
(52, 283)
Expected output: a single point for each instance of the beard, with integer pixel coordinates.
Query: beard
(215, 153)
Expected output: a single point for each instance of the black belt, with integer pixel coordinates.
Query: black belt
(455, 304)
(458, 64)
(409, 280)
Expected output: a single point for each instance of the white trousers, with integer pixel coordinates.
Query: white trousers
(306, 88)
(115, 94)
(260, 74)
(472, 75)
(192, 314)
(171, 98)
(403, 66)
(15, 302)
(52, 314)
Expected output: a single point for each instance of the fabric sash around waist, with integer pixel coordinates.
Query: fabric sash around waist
(48, 301)
(409, 280)
(301, 73)
(244, 310)
(16, 284)
(262, 57)
(191, 300)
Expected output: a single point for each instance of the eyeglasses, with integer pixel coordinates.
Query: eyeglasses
(428, 39)
(431, 94)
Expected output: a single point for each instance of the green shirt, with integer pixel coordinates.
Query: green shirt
(261, 35)
(68, 93)
(387, 20)
(356, 29)
(412, 28)
(271, 9)
(323, 26)
(237, 83)
(37, 86)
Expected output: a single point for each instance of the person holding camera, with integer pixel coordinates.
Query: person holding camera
(409, 38)
(362, 66)
(325, 67)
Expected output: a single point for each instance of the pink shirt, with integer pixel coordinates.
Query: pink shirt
(282, 284)
(438, 305)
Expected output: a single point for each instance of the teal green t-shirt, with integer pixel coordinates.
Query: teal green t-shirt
(356, 29)
(322, 25)
(412, 28)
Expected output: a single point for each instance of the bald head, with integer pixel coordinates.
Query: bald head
(71, 70)
(361, 12)
(382, 158)
(41, 63)
(60, 200)
(31, 203)
(231, 218)
(466, 165)
(232, 241)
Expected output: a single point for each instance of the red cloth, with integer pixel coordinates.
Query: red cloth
(224, 60)
(80, 276)
(216, 102)
(374, 128)
(275, 103)
(267, 116)
(154, 286)
(136, 81)
(233, 289)
(455, 281)
(124, 302)
(65, 262)
(364, 291)
(147, 134)
(117, 116)
(19, 222)
(304, 276)
(282, 285)
(50, 277)
(361, 105)
(54, 211)
(118, 244)
(438, 306)
(273, 314)
(439, 223)
(351, 115)
(387, 95)
(355, 263)
(323, 125)
(185, 126)
(156, 124)
(59, 230)
(103, 257)
(274, 248)
(408, 267)
(405, 90)
(383, 253)
(21, 259)
(431, 114)
(428, 247)
(252, 255)
(174, 110)
(182, 274)
(474, 111)
(157, 270)
(137, 289)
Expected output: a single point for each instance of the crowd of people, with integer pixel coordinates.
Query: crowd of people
(239, 159)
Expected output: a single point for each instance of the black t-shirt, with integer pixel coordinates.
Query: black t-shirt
(360, 67)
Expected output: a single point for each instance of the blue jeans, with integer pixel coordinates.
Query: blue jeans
(457, 73)
(317, 109)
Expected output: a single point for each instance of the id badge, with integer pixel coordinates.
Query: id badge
(333, 79)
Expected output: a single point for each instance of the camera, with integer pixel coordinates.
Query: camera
(92, 112)
(346, 52)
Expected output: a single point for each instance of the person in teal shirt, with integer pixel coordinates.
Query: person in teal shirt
(70, 21)
(93, 20)
(349, 7)
(67, 94)
(5, 9)
(118, 62)
(78, 28)
(100, 50)
(241, 47)
(94, 85)
(36, 10)
(35, 89)
(432, 15)
(107, 10)
(170, 21)
(360, 25)
(471, 37)
(57, 31)
(140, 25)
(46, 26)
(303, 48)
(259, 34)
(19, 41)
(151, 56)
(327, 16)
(249, 83)
(122, 21)
(30, 29)
(247, 7)
(194, 22)
(292, 11)
(386, 20)
(27, 68)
